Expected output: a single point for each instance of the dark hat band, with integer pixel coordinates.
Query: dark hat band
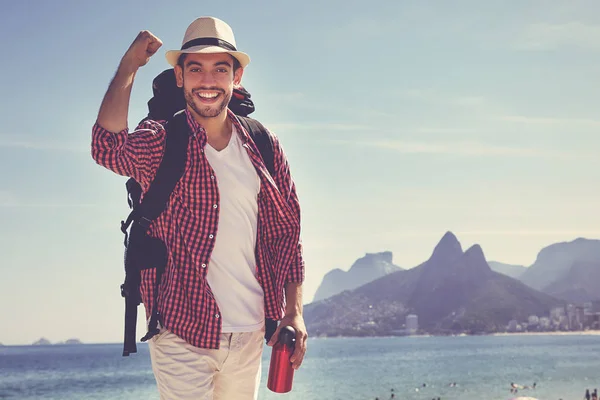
(209, 42)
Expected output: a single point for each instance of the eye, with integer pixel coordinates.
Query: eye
(222, 70)
(195, 69)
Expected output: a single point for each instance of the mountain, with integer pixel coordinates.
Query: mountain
(514, 271)
(69, 342)
(554, 261)
(364, 270)
(42, 342)
(579, 284)
(452, 292)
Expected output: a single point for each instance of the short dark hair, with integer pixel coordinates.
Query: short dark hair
(182, 56)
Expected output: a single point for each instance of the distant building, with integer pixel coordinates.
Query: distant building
(513, 325)
(556, 313)
(571, 318)
(412, 324)
(533, 321)
(563, 323)
(592, 307)
(579, 312)
(575, 317)
(591, 312)
(544, 323)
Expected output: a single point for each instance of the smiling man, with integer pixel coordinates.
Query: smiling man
(232, 231)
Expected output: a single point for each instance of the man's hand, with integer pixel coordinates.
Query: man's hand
(296, 321)
(143, 47)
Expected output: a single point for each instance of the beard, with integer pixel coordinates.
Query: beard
(206, 111)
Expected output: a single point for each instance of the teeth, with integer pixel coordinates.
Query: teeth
(208, 95)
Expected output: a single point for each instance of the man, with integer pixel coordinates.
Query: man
(232, 230)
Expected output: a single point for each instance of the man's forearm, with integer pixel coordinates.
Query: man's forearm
(115, 105)
(293, 298)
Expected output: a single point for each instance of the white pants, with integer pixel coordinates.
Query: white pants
(185, 372)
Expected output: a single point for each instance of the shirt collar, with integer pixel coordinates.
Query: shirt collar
(197, 130)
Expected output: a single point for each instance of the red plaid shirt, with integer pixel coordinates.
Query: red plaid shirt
(189, 226)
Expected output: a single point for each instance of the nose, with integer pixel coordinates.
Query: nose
(207, 79)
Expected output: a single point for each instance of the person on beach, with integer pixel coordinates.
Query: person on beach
(232, 231)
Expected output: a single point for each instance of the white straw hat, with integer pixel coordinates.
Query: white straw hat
(208, 35)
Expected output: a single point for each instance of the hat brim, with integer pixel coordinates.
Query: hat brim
(173, 55)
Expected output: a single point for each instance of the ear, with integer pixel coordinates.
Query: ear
(237, 76)
(179, 75)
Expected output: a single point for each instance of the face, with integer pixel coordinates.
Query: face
(208, 81)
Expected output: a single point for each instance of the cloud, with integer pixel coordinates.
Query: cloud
(45, 205)
(445, 130)
(546, 36)
(549, 120)
(286, 97)
(518, 232)
(478, 234)
(358, 29)
(317, 127)
(433, 96)
(508, 232)
(7, 199)
(11, 200)
(29, 143)
(458, 148)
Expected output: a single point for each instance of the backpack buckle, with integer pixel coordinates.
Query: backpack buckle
(124, 291)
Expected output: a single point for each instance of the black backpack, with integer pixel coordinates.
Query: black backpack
(142, 251)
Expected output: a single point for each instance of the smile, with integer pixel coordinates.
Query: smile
(208, 95)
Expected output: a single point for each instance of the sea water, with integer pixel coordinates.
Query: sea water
(482, 367)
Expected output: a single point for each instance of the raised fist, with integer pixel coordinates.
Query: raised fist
(143, 47)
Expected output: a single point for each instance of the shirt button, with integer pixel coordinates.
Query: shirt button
(212, 177)
(211, 236)
(214, 206)
(217, 315)
(203, 265)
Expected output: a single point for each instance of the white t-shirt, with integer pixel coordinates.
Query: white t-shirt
(231, 271)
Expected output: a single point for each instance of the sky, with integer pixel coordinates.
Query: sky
(401, 120)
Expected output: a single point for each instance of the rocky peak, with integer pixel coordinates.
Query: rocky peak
(42, 342)
(448, 248)
(475, 259)
(475, 253)
(371, 259)
(364, 270)
(556, 259)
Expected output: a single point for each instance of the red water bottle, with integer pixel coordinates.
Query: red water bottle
(281, 372)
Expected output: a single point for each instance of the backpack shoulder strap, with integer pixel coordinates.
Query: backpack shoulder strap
(262, 139)
(169, 171)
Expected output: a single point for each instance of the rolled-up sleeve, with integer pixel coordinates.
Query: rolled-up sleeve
(287, 187)
(135, 154)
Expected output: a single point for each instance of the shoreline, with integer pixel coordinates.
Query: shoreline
(551, 333)
(559, 333)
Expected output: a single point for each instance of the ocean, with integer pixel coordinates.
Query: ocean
(483, 367)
